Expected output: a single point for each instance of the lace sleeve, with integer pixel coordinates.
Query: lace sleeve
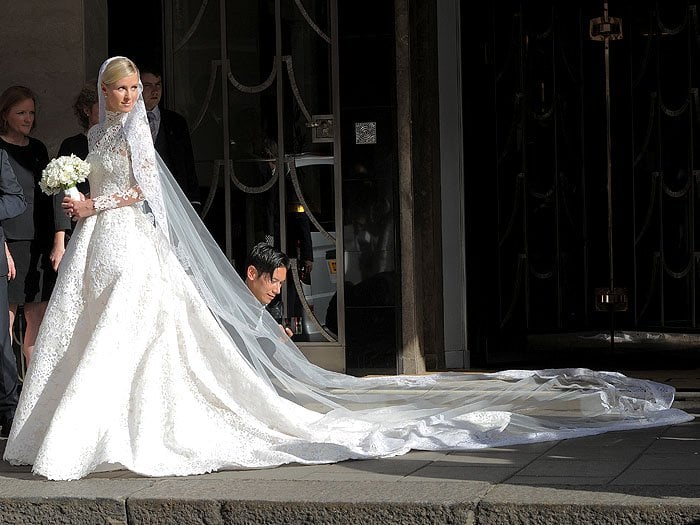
(117, 200)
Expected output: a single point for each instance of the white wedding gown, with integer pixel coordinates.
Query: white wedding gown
(133, 369)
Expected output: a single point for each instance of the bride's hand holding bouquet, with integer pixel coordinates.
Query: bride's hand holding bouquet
(78, 208)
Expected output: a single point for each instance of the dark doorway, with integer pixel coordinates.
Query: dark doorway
(563, 208)
(137, 34)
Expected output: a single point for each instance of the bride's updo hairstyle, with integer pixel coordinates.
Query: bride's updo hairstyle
(117, 69)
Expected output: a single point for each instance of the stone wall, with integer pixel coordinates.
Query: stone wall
(47, 46)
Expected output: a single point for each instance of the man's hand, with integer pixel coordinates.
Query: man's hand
(305, 271)
(287, 330)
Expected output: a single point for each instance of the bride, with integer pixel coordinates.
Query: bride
(155, 357)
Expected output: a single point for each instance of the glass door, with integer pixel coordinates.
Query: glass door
(258, 83)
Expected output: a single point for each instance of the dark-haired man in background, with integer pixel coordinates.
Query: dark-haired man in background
(265, 273)
(171, 135)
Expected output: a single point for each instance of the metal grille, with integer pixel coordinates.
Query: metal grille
(580, 206)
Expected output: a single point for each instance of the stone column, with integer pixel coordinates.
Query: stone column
(419, 186)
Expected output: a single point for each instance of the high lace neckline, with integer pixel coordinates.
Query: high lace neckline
(112, 117)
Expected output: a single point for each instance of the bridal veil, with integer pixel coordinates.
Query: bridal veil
(446, 410)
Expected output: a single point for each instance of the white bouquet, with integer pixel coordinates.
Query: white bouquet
(62, 174)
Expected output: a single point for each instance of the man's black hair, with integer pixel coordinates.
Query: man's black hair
(266, 259)
(152, 68)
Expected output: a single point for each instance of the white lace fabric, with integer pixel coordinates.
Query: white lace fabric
(154, 356)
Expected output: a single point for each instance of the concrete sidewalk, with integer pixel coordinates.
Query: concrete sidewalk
(635, 477)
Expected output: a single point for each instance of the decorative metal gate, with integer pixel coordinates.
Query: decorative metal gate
(258, 83)
(596, 150)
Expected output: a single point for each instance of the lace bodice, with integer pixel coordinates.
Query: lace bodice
(110, 173)
(112, 158)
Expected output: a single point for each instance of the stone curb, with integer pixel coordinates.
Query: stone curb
(185, 502)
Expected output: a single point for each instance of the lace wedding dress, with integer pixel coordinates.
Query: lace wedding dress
(153, 356)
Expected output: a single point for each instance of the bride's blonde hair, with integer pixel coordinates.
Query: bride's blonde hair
(118, 69)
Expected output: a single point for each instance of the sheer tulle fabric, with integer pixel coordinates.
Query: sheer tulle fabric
(154, 356)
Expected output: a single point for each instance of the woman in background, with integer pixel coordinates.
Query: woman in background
(34, 246)
(87, 111)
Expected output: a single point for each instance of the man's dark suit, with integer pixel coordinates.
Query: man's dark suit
(174, 145)
(12, 204)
